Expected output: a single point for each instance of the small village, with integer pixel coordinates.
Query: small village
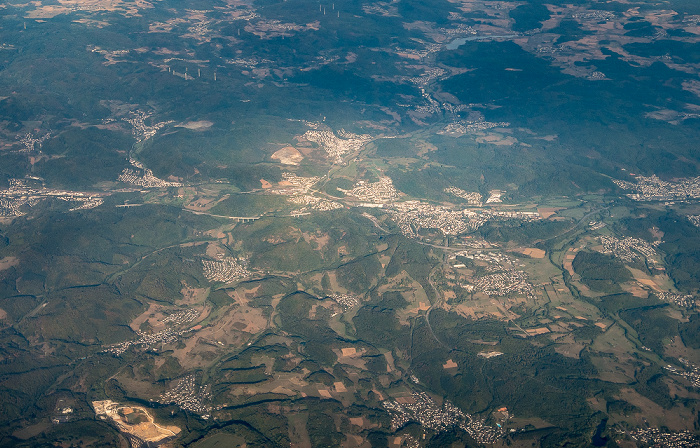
(143, 177)
(292, 184)
(20, 194)
(420, 408)
(181, 317)
(681, 300)
(472, 198)
(337, 146)
(346, 301)
(412, 216)
(30, 142)
(628, 249)
(664, 439)
(462, 127)
(495, 260)
(505, 283)
(146, 340)
(188, 396)
(165, 336)
(379, 192)
(225, 270)
(313, 203)
(690, 373)
(142, 131)
(654, 189)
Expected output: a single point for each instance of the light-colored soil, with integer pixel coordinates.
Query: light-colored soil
(196, 125)
(8, 262)
(450, 364)
(288, 156)
(533, 252)
(546, 212)
(153, 315)
(194, 296)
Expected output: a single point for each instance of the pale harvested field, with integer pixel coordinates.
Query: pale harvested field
(196, 125)
(534, 252)
(8, 262)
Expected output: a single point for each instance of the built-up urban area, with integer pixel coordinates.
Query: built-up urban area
(412, 216)
(189, 396)
(694, 219)
(472, 198)
(691, 372)
(666, 439)
(143, 177)
(313, 203)
(225, 270)
(379, 192)
(165, 336)
(504, 283)
(462, 127)
(422, 409)
(680, 300)
(628, 249)
(346, 301)
(15, 199)
(337, 146)
(654, 189)
(146, 340)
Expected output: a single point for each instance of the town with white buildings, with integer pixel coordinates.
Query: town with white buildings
(187, 395)
(422, 409)
(224, 270)
(15, 200)
(654, 189)
(628, 249)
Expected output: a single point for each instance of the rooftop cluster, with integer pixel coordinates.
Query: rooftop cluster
(690, 373)
(144, 178)
(225, 270)
(472, 198)
(654, 189)
(504, 283)
(146, 340)
(694, 219)
(188, 396)
(681, 300)
(346, 301)
(267, 29)
(461, 127)
(293, 184)
(594, 15)
(627, 249)
(30, 142)
(314, 203)
(411, 216)
(495, 260)
(377, 192)
(423, 410)
(336, 146)
(664, 439)
(181, 317)
(142, 131)
(20, 194)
